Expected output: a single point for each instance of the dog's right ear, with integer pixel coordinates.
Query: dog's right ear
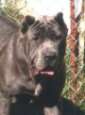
(28, 21)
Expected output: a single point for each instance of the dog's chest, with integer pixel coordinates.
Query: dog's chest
(51, 111)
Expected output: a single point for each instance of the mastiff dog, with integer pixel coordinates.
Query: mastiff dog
(32, 61)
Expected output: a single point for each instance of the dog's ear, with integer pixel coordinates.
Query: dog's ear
(28, 21)
(59, 18)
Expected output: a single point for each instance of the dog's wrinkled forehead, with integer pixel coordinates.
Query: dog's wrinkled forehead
(44, 28)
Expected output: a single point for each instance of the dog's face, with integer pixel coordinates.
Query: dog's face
(46, 51)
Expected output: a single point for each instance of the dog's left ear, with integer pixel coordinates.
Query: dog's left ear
(59, 18)
(27, 21)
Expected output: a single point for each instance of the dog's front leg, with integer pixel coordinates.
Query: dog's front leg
(4, 105)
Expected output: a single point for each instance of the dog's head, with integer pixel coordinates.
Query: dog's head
(46, 50)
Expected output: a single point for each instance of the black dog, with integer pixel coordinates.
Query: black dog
(47, 43)
(33, 61)
(23, 106)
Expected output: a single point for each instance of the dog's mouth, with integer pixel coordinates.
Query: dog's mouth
(48, 72)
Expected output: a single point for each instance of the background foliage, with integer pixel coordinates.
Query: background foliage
(75, 90)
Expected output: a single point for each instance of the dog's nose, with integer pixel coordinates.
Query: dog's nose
(48, 52)
(50, 57)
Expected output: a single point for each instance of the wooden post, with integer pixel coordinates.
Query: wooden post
(73, 41)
